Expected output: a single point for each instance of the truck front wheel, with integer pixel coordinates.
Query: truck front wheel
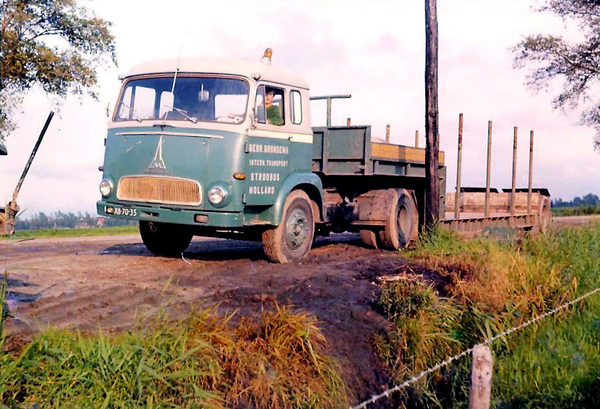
(292, 239)
(400, 222)
(164, 239)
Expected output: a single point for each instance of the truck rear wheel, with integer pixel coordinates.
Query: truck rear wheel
(165, 239)
(400, 222)
(292, 239)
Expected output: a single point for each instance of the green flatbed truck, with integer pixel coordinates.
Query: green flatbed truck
(225, 148)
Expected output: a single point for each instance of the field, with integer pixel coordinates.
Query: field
(223, 327)
(576, 211)
(84, 232)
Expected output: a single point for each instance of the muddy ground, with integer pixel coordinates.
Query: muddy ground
(112, 281)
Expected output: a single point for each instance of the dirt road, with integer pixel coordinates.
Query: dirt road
(112, 281)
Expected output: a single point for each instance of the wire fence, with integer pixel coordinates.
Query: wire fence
(421, 375)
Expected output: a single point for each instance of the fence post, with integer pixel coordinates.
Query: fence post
(458, 167)
(530, 184)
(513, 193)
(486, 211)
(481, 378)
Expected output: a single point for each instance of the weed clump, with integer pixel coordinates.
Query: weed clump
(276, 363)
(423, 327)
(204, 361)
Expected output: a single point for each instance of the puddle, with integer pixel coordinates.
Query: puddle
(96, 252)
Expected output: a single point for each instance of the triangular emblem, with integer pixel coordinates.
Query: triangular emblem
(158, 164)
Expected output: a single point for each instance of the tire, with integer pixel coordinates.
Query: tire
(293, 238)
(400, 221)
(369, 238)
(545, 215)
(165, 239)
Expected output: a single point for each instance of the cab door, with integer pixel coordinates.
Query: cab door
(268, 146)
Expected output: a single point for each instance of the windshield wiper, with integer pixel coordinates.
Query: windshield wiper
(133, 115)
(192, 119)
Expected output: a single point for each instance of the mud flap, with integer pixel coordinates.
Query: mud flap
(380, 209)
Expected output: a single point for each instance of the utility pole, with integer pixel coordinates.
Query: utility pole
(432, 148)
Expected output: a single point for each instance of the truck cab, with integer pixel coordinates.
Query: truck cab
(211, 147)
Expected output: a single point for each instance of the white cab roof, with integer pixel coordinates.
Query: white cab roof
(198, 65)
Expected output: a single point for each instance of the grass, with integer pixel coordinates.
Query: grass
(89, 231)
(456, 294)
(557, 364)
(472, 290)
(205, 361)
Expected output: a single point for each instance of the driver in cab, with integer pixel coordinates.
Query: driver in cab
(270, 108)
(274, 116)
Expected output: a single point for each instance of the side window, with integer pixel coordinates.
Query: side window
(124, 109)
(296, 101)
(137, 103)
(269, 106)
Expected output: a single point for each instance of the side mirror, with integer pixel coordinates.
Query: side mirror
(166, 103)
(253, 118)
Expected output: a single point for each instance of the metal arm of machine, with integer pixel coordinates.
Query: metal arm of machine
(9, 214)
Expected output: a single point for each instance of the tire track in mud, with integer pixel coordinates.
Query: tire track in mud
(116, 306)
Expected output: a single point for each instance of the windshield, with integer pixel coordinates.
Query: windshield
(193, 99)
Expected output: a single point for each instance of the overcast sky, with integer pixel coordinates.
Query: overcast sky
(372, 49)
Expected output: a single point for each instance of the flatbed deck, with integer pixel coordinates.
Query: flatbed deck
(472, 221)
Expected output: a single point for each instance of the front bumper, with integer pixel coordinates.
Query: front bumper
(170, 215)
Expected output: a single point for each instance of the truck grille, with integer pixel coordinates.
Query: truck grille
(159, 189)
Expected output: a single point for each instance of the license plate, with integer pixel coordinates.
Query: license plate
(120, 211)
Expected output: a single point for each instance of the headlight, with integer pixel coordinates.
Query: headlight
(217, 195)
(106, 187)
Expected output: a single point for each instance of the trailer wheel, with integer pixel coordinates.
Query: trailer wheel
(165, 239)
(545, 214)
(292, 239)
(369, 238)
(399, 224)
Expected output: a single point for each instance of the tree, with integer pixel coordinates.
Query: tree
(55, 44)
(576, 63)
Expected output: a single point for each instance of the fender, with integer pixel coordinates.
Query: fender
(307, 181)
